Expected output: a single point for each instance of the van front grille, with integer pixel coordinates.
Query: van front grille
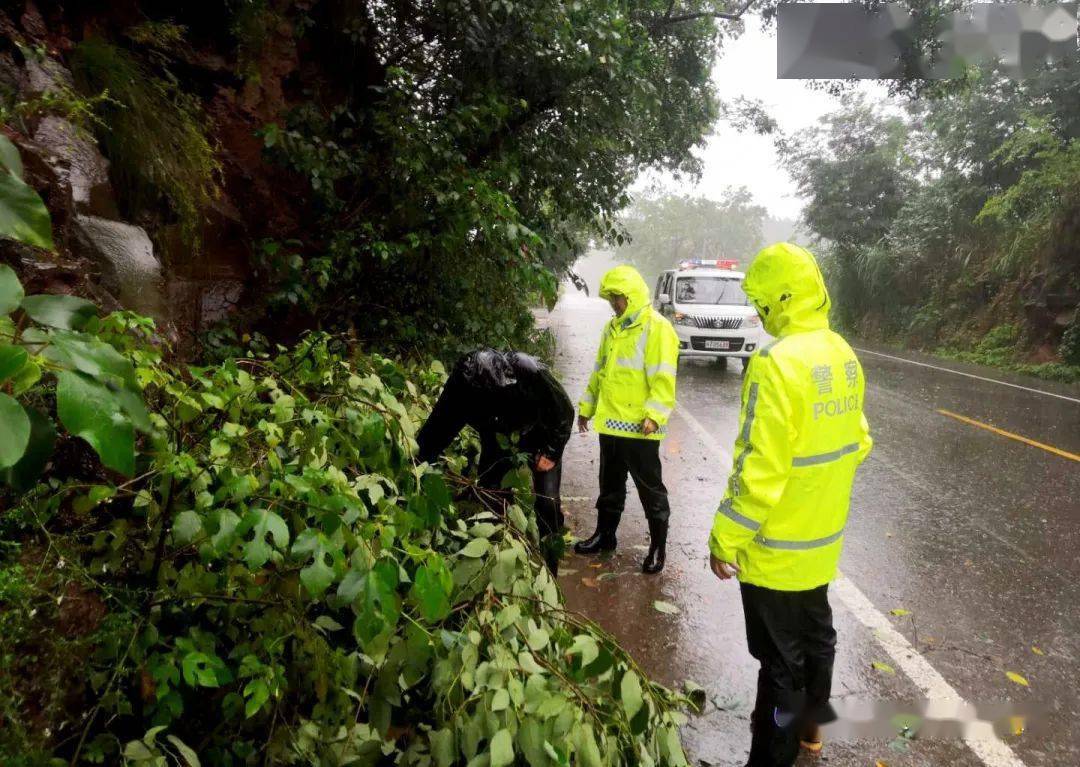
(717, 323)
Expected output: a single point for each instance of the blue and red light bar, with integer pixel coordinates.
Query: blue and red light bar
(720, 263)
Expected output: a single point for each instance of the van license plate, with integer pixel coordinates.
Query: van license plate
(718, 344)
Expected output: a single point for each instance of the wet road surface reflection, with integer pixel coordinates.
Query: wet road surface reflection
(970, 536)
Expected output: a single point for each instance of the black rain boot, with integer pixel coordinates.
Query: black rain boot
(654, 561)
(604, 537)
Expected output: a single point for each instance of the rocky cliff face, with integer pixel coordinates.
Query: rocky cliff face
(131, 256)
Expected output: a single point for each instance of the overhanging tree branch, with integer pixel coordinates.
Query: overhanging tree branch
(668, 19)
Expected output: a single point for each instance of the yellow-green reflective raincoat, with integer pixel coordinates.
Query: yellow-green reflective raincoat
(634, 375)
(802, 434)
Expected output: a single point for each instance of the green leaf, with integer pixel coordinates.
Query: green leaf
(14, 431)
(137, 751)
(377, 607)
(318, 575)
(257, 692)
(10, 159)
(673, 746)
(185, 750)
(551, 706)
(90, 411)
(351, 585)
(500, 701)
(11, 290)
(26, 378)
(585, 646)
(23, 215)
(326, 623)
(91, 356)
(92, 498)
(132, 404)
(262, 522)
(665, 607)
(433, 486)
(442, 747)
(431, 589)
(502, 749)
(630, 693)
(604, 661)
(538, 639)
(227, 522)
(202, 670)
(883, 667)
(25, 474)
(12, 359)
(64, 312)
(588, 753)
(476, 548)
(186, 526)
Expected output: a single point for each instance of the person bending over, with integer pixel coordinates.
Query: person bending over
(500, 394)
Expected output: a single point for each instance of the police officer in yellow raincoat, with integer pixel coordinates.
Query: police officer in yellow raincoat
(780, 527)
(630, 396)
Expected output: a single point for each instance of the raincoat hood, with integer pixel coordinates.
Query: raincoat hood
(625, 281)
(786, 285)
(489, 369)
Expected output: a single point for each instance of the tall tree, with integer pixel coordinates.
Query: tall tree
(957, 216)
(665, 230)
(478, 144)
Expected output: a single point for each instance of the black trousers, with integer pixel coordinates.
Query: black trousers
(493, 465)
(791, 635)
(640, 458)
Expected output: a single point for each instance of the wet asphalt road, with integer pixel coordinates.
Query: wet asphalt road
(975, 534)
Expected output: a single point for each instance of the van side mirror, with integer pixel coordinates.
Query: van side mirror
(664, 299)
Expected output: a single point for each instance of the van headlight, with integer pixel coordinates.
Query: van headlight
(753, 321)
(682, 319)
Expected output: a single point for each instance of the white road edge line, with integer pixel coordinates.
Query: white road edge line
(944, 701)
(703, 434)
(969, 375)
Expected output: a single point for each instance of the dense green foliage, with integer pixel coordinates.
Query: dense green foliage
(281, 581)
(956, 216)
(663, 230)
(97, 395)
(424, 172)
(475, 149)
(236, 560)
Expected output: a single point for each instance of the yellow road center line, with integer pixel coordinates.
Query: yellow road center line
(1010, 435)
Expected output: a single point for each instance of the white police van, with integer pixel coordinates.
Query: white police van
(712, 316)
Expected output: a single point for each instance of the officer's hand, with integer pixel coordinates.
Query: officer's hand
(722, 570)
(582, 423)
(543, 463)
(648, 426)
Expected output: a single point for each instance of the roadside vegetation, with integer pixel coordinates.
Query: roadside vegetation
(950, 224)
(662, 231)
(256, 570)
(216, 546)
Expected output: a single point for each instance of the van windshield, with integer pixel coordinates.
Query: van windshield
(710, 290)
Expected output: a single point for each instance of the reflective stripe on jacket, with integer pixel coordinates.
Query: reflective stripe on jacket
(633, 377)
(802, 434)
